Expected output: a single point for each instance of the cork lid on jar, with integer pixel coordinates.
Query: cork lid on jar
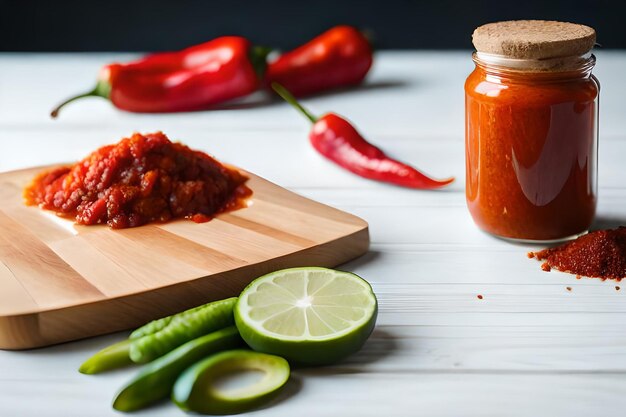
(534, 39)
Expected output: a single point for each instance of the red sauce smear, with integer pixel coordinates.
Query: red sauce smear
(599, 254)
(141, 179)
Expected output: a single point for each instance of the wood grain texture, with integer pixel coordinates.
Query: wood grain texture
(60, 281)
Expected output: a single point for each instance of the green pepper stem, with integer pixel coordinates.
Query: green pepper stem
(258, 59)
(55, 112)
(289, 98)
(102, 89)
(369, 36)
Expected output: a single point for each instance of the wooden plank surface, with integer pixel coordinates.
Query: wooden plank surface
(529, 348)
(56, 274)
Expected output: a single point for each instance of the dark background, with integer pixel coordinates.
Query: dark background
(142, 25)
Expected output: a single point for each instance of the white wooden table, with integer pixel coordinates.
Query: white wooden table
(530, 347)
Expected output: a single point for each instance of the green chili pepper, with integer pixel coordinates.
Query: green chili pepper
(155, 381)
(159, 337)
(197, 389)
(111, 357)
(155, 326)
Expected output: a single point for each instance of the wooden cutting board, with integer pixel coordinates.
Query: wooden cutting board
(60, 281)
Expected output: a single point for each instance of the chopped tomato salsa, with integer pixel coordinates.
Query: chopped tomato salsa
(141, 179)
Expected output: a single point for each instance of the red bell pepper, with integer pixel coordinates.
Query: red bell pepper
(192, 79)
(340, 57)
(336, 139)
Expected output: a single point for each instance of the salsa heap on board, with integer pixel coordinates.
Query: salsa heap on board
(141, 179)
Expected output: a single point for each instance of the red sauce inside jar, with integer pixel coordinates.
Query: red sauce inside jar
(531, 151)
(141, 179)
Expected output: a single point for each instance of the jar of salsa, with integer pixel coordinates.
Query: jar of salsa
(531, 130)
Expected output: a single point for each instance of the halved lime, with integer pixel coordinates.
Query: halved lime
(310, 316)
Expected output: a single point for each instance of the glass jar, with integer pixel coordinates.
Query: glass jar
(531, 132)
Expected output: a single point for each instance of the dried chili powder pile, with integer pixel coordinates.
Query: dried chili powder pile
(599, 254)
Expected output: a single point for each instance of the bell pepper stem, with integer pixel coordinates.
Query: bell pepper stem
(289, 98)
(258, 59)
(369, 37)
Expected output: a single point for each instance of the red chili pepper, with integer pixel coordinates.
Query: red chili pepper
(336, 139)
(340, 57)
(192, 79)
